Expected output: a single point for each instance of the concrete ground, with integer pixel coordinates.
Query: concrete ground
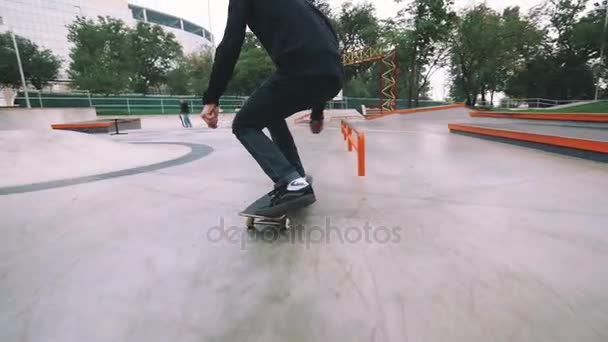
(448, 238)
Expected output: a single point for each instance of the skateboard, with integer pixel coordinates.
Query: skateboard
(280, 222)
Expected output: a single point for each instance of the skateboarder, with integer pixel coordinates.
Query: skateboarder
(305, 50)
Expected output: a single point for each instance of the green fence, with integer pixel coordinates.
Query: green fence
(143, 105)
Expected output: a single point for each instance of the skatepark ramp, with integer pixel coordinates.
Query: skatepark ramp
(42, 118)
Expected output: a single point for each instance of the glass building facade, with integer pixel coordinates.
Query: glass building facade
(189, 33)
(44, 22)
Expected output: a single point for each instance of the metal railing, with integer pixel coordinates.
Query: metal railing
(358, 145)
(159, 104)
(128, 105)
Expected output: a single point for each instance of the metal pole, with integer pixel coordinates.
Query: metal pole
(27, 95)
(361, 153)
(211, 29)
(597, 86)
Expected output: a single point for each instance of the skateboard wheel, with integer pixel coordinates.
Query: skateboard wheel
(250, 222)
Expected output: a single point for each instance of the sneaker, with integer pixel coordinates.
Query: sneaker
(295, 195)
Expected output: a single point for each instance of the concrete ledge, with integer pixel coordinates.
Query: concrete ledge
(580, 144)
(582, 148)
(583, 117)
(101, 126)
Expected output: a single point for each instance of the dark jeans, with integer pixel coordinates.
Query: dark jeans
(186, 120)
(277, 99)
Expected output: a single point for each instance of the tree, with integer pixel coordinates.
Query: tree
(520, 41)
(323, 6)
(252, 69)
(153, 54)
(562, 67)
(421, 32)
(488, 49)
(39, 66)
(545, 77)
(192, 74)
(473, 44)
(179, 79)
(365, 83)
(357, 26)
(193, 71)
(588, 34)
(201, 65)
(100, 55)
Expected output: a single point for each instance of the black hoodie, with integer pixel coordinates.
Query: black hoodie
(296, 35)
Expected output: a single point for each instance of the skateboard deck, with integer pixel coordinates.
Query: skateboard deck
(255, 221)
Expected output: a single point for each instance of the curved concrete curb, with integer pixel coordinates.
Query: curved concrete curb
(197, 151)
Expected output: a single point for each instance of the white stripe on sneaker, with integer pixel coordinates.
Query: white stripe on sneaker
(297, 184)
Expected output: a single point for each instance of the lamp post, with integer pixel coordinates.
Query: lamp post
(210, 27)
(16, 46)
(598, 5)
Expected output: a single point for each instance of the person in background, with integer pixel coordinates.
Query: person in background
(185, 113)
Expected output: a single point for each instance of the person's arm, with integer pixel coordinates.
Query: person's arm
(228, 51)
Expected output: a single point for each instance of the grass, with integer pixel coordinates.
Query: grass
(600, 107)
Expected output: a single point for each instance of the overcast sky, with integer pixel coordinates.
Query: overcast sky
(197, 11)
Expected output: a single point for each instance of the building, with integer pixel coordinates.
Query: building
(44, 22)
(192, 36)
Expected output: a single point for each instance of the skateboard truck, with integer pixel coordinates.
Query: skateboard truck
(282, 222)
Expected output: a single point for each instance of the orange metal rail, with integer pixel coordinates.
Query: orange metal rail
(358, 145)
(580, 144)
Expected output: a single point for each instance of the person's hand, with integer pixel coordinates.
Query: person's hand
(316, 122)
(210, 115)
(316, 126)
